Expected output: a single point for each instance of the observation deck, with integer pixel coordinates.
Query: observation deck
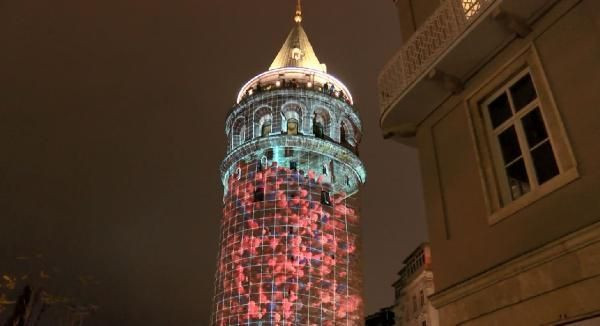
(296, 77)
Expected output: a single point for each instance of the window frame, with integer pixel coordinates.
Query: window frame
(488, 155)
(516, 122)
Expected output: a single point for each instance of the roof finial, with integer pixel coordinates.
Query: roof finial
(298, 17)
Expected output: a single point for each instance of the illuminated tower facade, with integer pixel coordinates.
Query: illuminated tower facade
(289, 250)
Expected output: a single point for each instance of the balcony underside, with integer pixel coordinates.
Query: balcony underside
(410, 92)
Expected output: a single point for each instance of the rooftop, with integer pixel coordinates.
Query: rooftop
(296, 65)
(297, 51)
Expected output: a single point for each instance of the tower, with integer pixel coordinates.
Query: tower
(289, 247)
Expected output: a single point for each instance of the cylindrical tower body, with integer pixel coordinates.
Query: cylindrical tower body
(289, 251)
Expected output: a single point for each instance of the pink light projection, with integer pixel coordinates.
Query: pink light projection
(289, 251)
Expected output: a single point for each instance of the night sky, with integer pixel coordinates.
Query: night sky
(112, 132)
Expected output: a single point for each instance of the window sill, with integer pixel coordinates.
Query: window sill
(533, 196)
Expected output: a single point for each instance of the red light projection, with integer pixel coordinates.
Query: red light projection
(289, 251)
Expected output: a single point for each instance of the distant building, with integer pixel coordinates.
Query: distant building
(500, 97)
(412, 306)
(384, 317)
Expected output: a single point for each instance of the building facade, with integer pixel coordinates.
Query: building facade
(499, 97)
(412, 306)
(289, 251)
(384, 317)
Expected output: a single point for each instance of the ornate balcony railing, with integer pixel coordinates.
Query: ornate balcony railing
(437, 34)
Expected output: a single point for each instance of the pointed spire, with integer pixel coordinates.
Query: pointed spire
(298, 17)
(297, 50)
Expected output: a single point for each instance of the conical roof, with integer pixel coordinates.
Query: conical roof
(297, 50)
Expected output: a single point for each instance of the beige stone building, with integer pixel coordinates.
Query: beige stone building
(502, 100)
(412, 306)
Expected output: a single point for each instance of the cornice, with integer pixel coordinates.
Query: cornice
(543, 255)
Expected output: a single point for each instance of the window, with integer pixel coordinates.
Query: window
(243, 134)
(288, 152)
(321, 121)
(424, 323)
(522, 146)
(422, 295)
(318, 129)
(347, 136)
(264, 162)
(520, 136)
(325, 198)
(265, 131)
(264, 121)
(293, 165)
(343, 136)
(269, 154)
(325, 169)
(414, 300)
(292, 127)
(238, 132)
(297, 54)
(259, 194)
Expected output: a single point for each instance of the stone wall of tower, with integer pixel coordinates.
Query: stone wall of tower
(289, 245)
(289, 237)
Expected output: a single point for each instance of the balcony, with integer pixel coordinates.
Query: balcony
(443, 53)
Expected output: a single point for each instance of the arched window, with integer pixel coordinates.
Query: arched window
(263, 120)
(343, 136)
(238, 133)
(347, 134)
(291, 119)
(265, 129)
(318, 128)
(288, 152)
(292, 126)
(243, 134)
(321, 123)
